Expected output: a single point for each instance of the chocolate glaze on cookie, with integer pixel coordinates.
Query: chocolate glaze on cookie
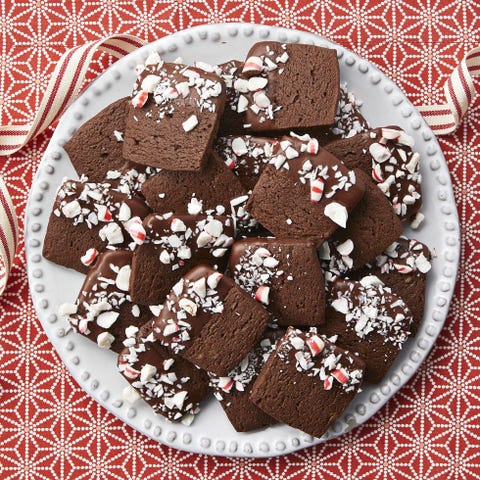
(90, 216)
(371, 227)
(174, 245)
(246, 156)
(403, 267)
(386, 154)
(210, 321)
(233, 391)
(367, 318)
(172, 386)
(103, 310)
(307, 382)
(173, 115)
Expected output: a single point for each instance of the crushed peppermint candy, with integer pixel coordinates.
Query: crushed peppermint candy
(316, 356)
(252, 91)
(396, 169)
(256, 268)
(178, 238)
(100, 206)
(405, 256)
(246, 156)
(240, 378)
(348, 119)
(187, 300)
(101, 304)
(166, 85)
(159, 383)
(369, 307)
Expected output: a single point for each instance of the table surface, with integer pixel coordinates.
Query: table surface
(50, 429)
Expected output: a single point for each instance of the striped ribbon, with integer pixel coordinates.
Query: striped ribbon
(459, 93)
(62, 89)
(8, 234)
(68, 77)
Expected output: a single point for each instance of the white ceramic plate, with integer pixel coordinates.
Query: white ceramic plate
(95, 370)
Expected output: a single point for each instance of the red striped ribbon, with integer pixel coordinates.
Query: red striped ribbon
(62, 89)
(69, 74)
(459, 94)
(8, 234)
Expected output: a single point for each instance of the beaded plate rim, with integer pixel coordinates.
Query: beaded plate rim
(281, 439)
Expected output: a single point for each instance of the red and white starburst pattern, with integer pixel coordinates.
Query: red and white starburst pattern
(49, 428)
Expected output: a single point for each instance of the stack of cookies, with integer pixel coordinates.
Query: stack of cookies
(240, 228)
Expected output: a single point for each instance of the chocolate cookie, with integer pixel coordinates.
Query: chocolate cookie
(86, 218)
(403, 267)
(173, 115)
(307, 382)
(103, 311)
(371, 228)
(214, 185)
(233, 391)
(172, 386)
(174, 245)
(246, 156)
(284, 275)
(97, 145)
(210, 321)
(281, 91)
(367, 318)
(386, 155)
(305, 192)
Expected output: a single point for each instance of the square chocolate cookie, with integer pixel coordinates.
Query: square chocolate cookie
(173, 116)
(305, 192)
(172, 386)
(210, 321)
(307, 381)
(283, 274)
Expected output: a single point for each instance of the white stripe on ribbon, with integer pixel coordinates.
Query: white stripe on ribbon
(8, 234)
(62, 89)
(459, 93)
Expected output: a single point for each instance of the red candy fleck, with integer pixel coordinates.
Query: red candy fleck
(403, 268)
(327, 383)
(131, 372)
(377, 173)
(341, 375)
(316, 189)
(139, 100)
(315, 344)
(89, 257)
(253, 64)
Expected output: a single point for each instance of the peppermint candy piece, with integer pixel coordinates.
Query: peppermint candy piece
(139, 100)
(253, 64)
(315, 344)
(105, 340)
(316, 189)
(190, 123)
(107, 319)
(262, 294)
(90, 255)
(337, 213)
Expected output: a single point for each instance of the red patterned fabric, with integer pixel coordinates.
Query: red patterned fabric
(49, 428)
